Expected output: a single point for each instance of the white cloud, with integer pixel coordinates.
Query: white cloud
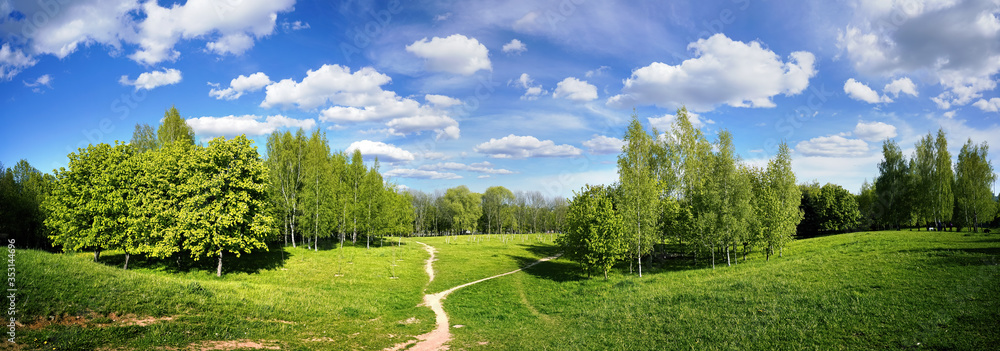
(514, 47)
(294, 26)
(604, 145)
(12, 61)
(329, 83)
(832, 146)
(246, 124)
(575, 89)
(44, 80)
(420, 174)
(902, 85)
(724, 72)
(227, 27)
(874, 131)
(441, 100)
(513, 146)
(991, 105)
(385, 152)
(455, 54)
(597, 72)
(482, 167)
(230, 28)
(442, 17)
(153, 79)
(240, 85)
(861, 92)
(952, 42)
(440, 123)
(665, 122)
(531, 91)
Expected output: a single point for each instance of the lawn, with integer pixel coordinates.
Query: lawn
(896, 290)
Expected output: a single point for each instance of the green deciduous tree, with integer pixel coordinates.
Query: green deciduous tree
(174, 129)
(973, 182)
(639, 189)
(892, 187)
(595, 232)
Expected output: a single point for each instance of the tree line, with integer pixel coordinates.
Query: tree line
(928, 190)
(498, 210)
(680, 188)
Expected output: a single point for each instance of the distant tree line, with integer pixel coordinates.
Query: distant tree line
(496, 211)
(927, 190)
(678, 187)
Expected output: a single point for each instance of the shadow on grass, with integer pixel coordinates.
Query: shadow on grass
(960, 256)
(558, 270)
(253, 262)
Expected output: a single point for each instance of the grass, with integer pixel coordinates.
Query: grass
(895, 290)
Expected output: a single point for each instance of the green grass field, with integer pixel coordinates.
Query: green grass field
(896, 290)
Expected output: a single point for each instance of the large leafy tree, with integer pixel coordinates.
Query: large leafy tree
(734, 191)
(974, 178)
(495, 199)
(225, 200)
(787, 215)
(319, 197)
(595, 232)
(464, 207)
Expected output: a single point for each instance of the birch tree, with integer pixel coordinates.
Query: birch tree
(638, 188)
(973, 185)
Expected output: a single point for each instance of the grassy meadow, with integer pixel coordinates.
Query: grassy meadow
(895, 290)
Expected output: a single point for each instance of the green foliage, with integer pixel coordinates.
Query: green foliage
(829, 208)
(595, 232)
(22, 191)
(464, 207)
(974, 177)
(892, 187)
(173, 129)
(639, 189)
(144, 138)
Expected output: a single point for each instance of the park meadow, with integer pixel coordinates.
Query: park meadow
(161, 243)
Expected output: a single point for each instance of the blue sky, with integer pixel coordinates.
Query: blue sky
(531, 95)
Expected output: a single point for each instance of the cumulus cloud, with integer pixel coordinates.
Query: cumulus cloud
(153, 79)
(596, 72)
(441, 100)
(246, 124)
(724, 71)
(991, 105)
(420, 174)
(513, 146)
(531, 91)
(240, 85)
(832, 146)
(385, 152)
(902, 85)
(358, 97)
(604, 145)
(456, 54)
(575, 89)
(874, 131)
(861, 92)
(952, 42)
(514, 47)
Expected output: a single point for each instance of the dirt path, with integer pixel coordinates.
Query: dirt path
(436, 339)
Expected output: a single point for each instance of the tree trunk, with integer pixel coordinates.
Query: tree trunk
(713, 256)
(770, 249)
(728, 262)
(218, 269)
(605, 273)
(126, 261)
(97, 254)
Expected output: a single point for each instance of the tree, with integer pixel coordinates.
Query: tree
(974, 178)
(787, 215)
(373, 192)
(464, 208)
(355, 176)
(23, 188)
(284, 162)
(595, 232)
(144, 138)
(174, 129)
(495, 199)
(734, 191)
(225, 200)
(892, 187)
(639, 188)
(943, 197)
(868, 206)
(88, 207)
(318, 196)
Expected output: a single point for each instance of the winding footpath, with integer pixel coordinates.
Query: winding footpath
(436, 339)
